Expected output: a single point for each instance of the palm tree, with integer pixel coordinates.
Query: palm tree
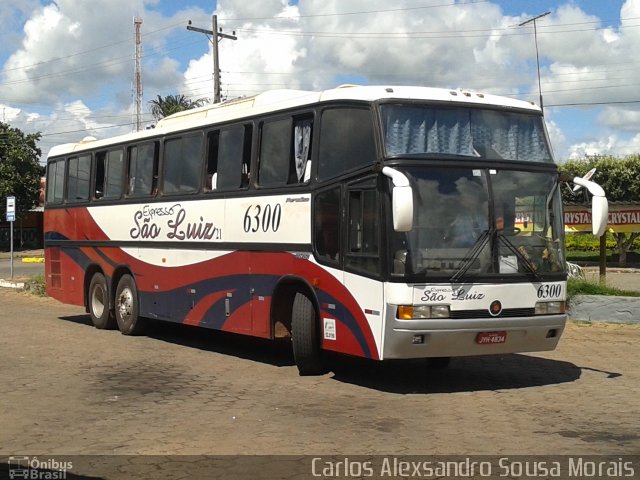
(165, 106)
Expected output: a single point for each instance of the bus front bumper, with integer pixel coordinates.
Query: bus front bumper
(482, 336)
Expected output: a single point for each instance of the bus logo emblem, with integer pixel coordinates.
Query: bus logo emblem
(495, 308)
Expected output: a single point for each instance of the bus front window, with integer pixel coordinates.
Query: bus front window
(444, 132)
(483, 221)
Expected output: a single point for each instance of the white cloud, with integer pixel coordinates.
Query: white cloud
(608, 145)
(314, 50)
(587, 63)
(74, 67)
(259, 60)
(621, 118)
(557, 139)
(69, 53)
(8, 113)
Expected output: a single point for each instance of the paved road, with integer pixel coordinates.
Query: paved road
(623, 278)
(21, 271)
(69, 388)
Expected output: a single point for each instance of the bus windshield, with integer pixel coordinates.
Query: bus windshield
(474, 222)
(413, 129)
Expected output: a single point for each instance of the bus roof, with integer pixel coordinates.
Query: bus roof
(275, 100)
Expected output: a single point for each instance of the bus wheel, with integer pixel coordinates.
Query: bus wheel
(438, 363)
(101, 316)
(127, 307)
(305, 336)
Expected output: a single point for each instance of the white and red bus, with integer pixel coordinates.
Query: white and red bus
(381, 222)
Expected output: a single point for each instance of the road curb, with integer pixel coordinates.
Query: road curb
(11, 284)
(604, 308)
(33, 260)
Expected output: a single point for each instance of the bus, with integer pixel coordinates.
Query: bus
(372, 221)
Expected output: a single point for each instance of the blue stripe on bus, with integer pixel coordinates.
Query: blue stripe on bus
(215, 317)
(348, 319)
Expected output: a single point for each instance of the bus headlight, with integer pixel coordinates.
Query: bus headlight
(422, 312)
(550, 308)
(440, 311)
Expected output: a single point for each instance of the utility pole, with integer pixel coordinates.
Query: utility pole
(214, 37)
(535, 38)
(137, 21)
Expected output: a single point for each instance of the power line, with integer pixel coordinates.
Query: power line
(363, 12)
(125, 59)
(581, 104)
(88, 129)
(85, 52)
(439, 34)
(444, 34)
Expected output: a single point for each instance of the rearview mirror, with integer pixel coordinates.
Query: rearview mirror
(599, 205)
(401, 200)
(599, 215)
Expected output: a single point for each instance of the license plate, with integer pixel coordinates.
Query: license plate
(491, 338)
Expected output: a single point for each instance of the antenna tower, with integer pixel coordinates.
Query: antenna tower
(137, 21)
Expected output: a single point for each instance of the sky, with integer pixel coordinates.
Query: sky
(67, 66)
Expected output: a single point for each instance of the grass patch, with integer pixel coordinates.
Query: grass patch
(579, 256)
(36, 286)
(577, 286)
(582, 256)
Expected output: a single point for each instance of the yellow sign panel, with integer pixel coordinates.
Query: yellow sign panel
(622, 219)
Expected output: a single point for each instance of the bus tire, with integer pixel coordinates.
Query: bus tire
(305, 336)
(127, 307)
(101, 316)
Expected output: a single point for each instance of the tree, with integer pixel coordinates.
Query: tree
(163, 107)
(619, 179)
(20, 171)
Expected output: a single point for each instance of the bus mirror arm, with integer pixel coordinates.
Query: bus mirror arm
(599, 205)
(401, 200)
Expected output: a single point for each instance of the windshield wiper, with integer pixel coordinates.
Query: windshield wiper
(472, 255)
(528, 266)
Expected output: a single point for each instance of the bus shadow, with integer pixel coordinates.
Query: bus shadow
(78, 319)
(465, 374)
(276, 353)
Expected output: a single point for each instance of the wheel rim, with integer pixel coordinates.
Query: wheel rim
(97, 301)
(125, 304)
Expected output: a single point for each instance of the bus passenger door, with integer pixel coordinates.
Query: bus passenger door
(362, 263)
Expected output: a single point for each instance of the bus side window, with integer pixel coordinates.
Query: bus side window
(79, 175)
(182, 164)
(108, 175)
(302, 149)
(143, 169)
(246, 156)
(98, 184)
(213, 143)
(55, 182)
(285, 152)
(234, 158)
(275, 152)
(346, 141)
(327, 224)
(113, 175)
